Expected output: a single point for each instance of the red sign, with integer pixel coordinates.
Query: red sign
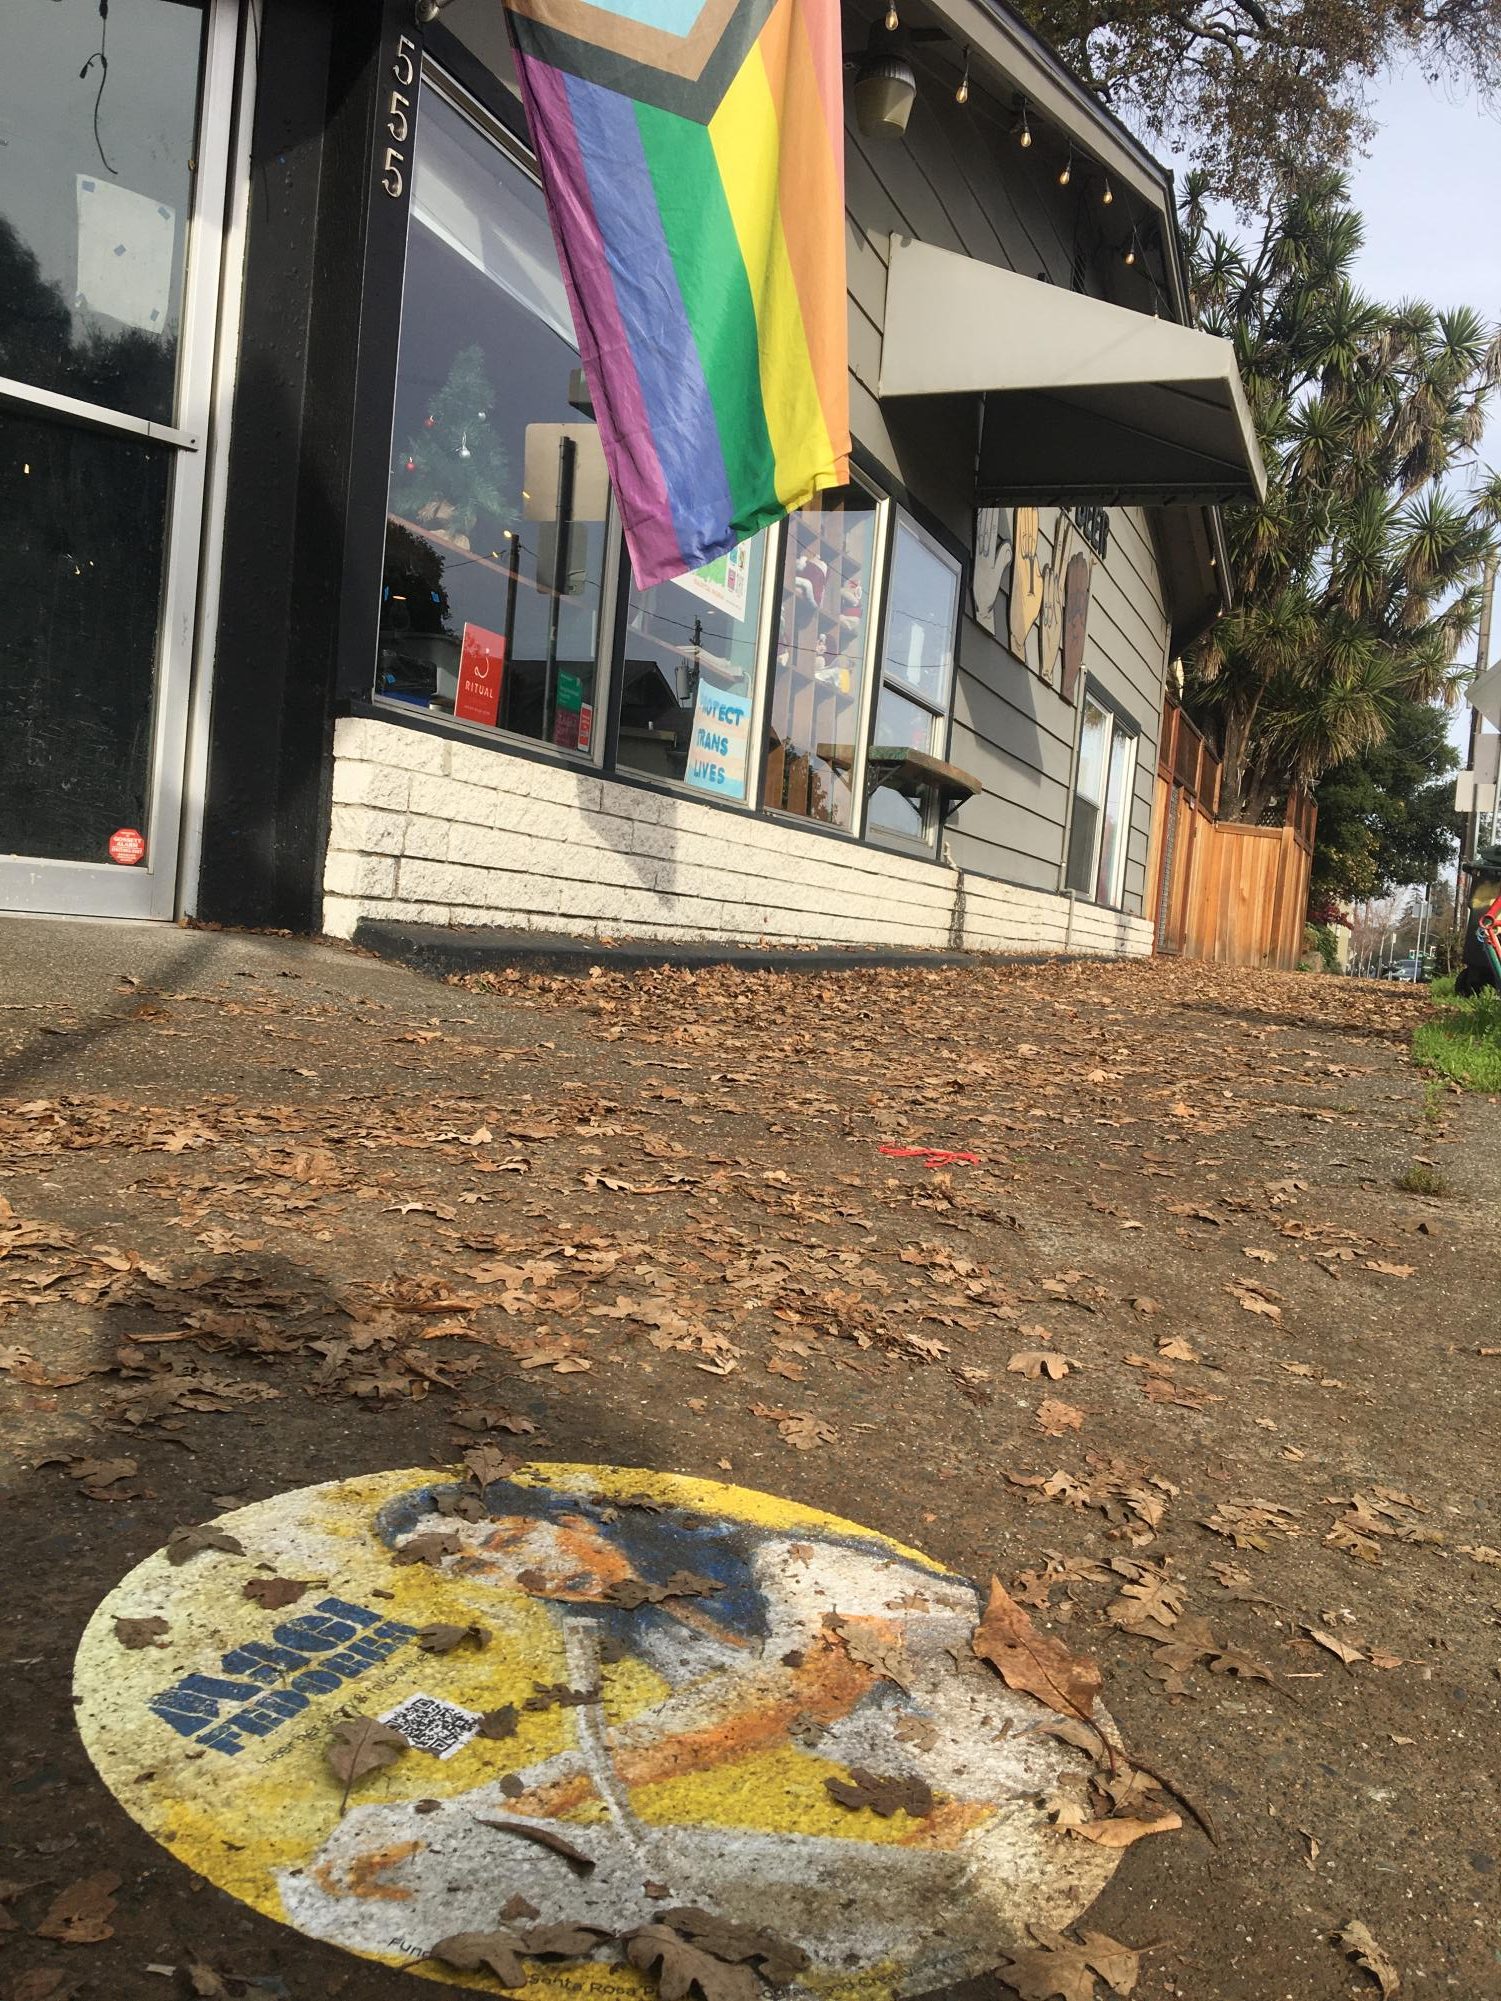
(482, 663)
(586, 725)
(126, 845)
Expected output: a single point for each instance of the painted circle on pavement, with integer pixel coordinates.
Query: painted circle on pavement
(680, 1739)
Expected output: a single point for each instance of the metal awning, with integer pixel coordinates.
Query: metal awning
(1084, 401)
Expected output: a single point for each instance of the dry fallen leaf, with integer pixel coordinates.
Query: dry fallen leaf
(186, 1542)
(885, 1796)
(1056, 1969)
(273, 1592)
(1034, 1663)
(684, 1969)
(80, 1914)
(359, 1745)
(1337, 1647)
(1363, 1949)
(1035, 1362)
(1121, 1833)
(1056, 1417)
(430, 1547)
(544, 1836)
(441, 1639)
(1391, 1271)
(137, 1633)
(500, 1952)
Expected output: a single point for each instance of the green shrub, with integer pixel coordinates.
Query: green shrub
(1422, 1180)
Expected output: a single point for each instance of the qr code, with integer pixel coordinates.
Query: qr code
(430, 1725)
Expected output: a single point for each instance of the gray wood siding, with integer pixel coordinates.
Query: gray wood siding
(959, 180)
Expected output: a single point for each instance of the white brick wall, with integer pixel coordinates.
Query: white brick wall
(430, 831)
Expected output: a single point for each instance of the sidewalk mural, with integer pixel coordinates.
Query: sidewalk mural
(660, 1678)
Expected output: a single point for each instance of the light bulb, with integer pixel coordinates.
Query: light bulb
(1109, 195)
(961, 95)
(1066, 172)
(1130, 250)
(893, 19)
(1026, 131)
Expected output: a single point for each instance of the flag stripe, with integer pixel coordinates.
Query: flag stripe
(619, 406)
(811, 199)
(746, 135)
(664, 351)
(701, 236)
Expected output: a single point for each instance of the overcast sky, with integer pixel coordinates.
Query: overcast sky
(1427, 190)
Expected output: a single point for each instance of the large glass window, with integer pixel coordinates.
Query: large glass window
(1101, 823)
(688, 676)
(828, 583)
(917, 672)
(97, 140)
(498, 512)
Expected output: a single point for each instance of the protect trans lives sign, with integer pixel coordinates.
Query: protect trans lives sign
(719, 749)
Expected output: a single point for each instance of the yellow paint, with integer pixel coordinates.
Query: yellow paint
(241, 1821)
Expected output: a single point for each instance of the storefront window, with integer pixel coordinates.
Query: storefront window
(1101, 822)
(498, 505)
(94, 198)
(917, 670)
(819, 678)
(688, 676)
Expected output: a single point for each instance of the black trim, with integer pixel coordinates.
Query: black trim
(470, 74)
(305, 519)
(1102, 700)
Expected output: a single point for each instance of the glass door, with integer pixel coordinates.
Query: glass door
(110, 223)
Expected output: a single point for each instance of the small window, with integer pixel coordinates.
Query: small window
(688, 675)
(498, 511)
(917, 673)
(1101, 822)
(818, 685)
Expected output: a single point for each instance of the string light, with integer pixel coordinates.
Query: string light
(893, 19)
(1066, 172)
(961, 95)
(1109, 195)
(1024, 137)
(1129, 254)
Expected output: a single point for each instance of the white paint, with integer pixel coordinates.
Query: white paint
(427, 830)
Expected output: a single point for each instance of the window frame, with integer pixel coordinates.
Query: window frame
(925, 845)
(515, 153)
(761, 671)
(1124, 727)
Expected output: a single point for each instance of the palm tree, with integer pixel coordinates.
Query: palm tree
(1358, 575)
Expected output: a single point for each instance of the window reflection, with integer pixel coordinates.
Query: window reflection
(917, 671)
(820, 662)
(94, 198)
(688, 675)
(498, 504)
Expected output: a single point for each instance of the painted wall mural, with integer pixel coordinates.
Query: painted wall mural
(1033, 600)
(661, 1682)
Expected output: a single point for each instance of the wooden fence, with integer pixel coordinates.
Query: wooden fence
(1223, 889)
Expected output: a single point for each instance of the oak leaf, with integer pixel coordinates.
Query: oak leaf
(684, 1969)
(885, 1796)
(1032, 1662)
(1056, 1417)
(1056, 1969)
(359, 1745)
(186, 1542)
(80, 1914)
(1035, 1362)
(274, 1592)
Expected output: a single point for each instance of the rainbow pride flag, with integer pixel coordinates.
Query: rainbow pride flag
(692, 153)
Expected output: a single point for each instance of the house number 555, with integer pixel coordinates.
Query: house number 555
(398, 125)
